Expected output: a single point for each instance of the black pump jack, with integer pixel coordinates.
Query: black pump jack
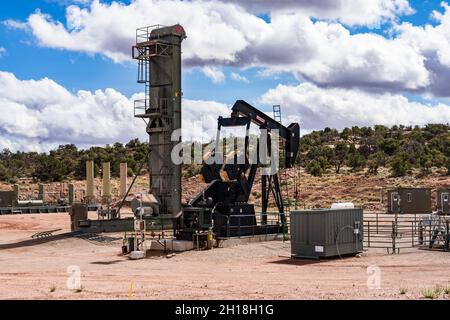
(224, 203)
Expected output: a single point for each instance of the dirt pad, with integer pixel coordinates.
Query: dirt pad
(38, 269)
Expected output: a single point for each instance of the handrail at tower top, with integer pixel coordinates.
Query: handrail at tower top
(143, 33)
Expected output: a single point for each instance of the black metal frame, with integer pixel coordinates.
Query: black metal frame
(242, 115)
(230, 230)
(226, 198)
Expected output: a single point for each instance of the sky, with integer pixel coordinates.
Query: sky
(66, 73)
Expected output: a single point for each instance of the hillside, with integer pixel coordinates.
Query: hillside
(355, 164)
(402, 150)
(363, 189)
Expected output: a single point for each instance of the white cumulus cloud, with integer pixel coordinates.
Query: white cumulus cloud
(199, 119)
(349, 12)
(433, 43)
(13, 24)
(225, 34)
(329, 55)
(215, 74)
(237, 77)
(41, 114)
(338, 108)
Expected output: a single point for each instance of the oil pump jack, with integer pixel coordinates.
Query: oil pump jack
(223, 206)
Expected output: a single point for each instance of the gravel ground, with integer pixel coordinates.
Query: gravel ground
(38, 269)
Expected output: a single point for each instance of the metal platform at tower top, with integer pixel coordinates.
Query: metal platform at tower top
(148, 45)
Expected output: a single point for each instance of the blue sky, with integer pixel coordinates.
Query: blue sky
(28, 55)
(77, 71)
(80, 71)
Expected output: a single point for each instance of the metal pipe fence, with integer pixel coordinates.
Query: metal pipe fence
(395, 232)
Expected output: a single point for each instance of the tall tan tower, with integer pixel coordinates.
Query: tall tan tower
(89, 181)
(123, 179)
(106, 171)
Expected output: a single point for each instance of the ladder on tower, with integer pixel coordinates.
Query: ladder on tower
(277, 117)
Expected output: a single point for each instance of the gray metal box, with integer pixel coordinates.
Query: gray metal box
(7, 198)
(443, 201)
(409, 200)
(326, 232)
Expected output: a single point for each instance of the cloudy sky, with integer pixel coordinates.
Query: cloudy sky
(66, 75)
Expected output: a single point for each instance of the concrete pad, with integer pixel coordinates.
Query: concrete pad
(231, 242)
(182, 245)
(136, 255)
(99, 226)
(171, 245)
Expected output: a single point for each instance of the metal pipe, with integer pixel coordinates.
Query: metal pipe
(71, 195)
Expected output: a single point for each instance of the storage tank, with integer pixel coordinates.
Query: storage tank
(326, 232)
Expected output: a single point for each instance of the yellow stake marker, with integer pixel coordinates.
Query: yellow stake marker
(131, 290)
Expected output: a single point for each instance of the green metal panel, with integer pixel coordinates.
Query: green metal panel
(71, 193)
(326, 232)
(41, 192)
(443, 200)
(16, 189)
(7, 198)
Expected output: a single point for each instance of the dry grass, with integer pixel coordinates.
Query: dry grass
(433, 293)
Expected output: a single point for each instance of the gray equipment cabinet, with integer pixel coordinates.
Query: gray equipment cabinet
(326, 233)
(443, 201)
(409, 200)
